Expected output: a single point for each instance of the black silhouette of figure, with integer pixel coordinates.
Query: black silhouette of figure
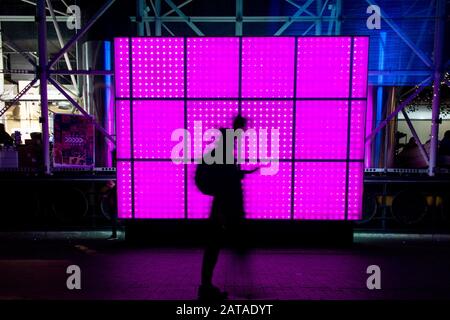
(226, 216)
(5, 138)
(444, 145)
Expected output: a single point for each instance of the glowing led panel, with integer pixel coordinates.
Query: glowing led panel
(319, 190)
(213, 67)
(158, 190)
(272, 117)
(206, 115)
(360, 63)
(321, 131)
(122, 67)
(158, 67)
(268, 67)
(269, 196)
(124, 196)
(193, 83)
(355, 190)
(123, 129)
(153, 124)
(323, 67)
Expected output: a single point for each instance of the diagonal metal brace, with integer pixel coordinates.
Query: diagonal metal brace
(185, 18)
(397, 110)
(290, 21)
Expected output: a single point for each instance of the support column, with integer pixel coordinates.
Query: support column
(158, 18)
(338, 17)
(42, 72)
(319, 15)
(140, 6)
(239, 17)
(438, 48)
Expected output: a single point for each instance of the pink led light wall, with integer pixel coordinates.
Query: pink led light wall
(313, 90)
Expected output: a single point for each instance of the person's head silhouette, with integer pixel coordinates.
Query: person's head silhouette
(239, 122)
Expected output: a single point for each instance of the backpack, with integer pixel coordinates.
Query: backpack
(205, 178)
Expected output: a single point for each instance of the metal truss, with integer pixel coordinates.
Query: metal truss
(149, 17)
(43, 69)
(149, 11)
(314, 15)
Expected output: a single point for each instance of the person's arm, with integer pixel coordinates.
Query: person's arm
(249, 171)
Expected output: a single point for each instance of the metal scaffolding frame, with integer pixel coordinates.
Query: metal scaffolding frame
(148, 12)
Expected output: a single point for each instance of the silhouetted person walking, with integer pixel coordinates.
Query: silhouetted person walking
(227, 212)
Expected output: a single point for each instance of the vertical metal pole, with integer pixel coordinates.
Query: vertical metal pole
(158, 18)
(438, 48)
(140, 5)
(61, 43)
(42, 71)
(319, 15)
(338, 16)
(239, 14)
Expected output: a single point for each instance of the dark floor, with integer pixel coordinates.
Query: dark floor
(412, 267)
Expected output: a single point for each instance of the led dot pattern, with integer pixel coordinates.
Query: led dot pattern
(269, 196)
(355, 186)
(123, 129)
(124, 201)
(313, 90)
(360, 63)
(122, 67)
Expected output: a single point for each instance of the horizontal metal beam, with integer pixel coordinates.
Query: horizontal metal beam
(81, 72)
(8, 18)
(232, 19)
(423, 73)
(17, 71)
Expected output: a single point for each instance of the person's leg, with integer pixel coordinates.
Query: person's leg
(207, 291)
(210, 257)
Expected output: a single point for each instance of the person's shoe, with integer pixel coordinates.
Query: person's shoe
(211, 293)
